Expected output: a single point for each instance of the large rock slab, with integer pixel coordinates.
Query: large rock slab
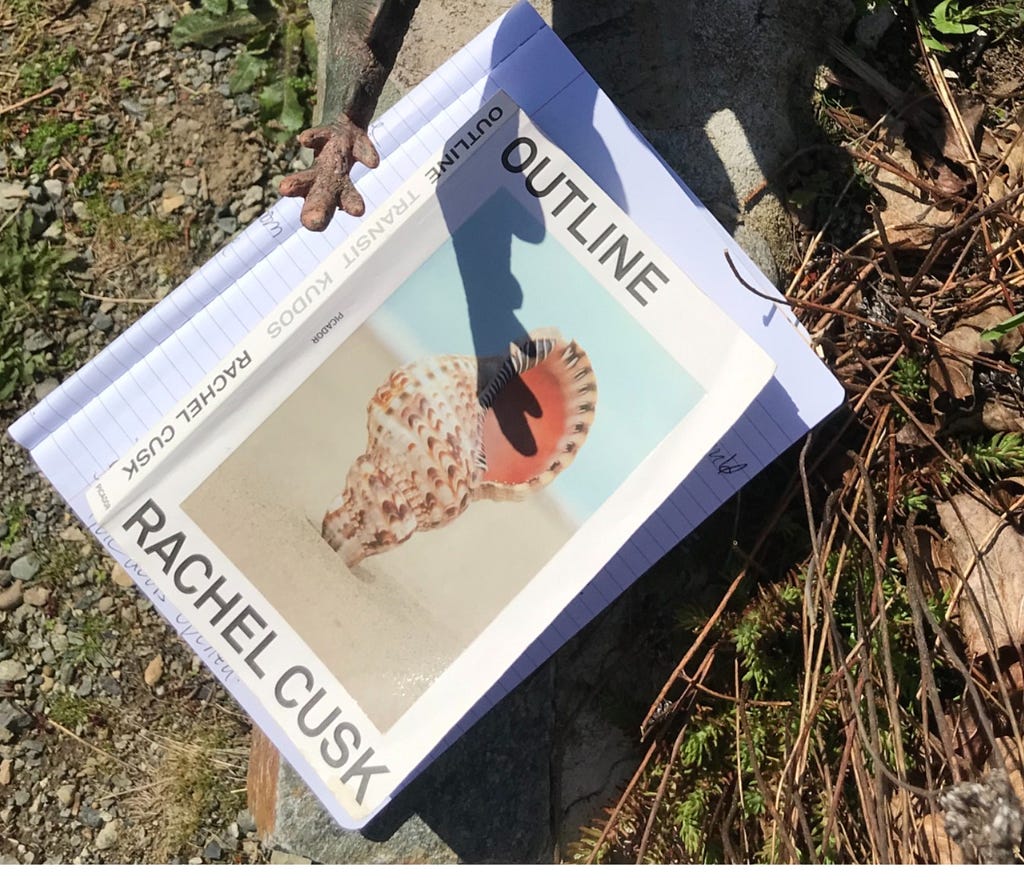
(722, 88)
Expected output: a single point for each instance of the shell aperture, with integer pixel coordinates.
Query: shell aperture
(445, 431)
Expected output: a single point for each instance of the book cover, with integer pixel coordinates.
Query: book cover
(409, 468)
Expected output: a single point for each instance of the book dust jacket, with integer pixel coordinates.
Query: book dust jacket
(406, 471)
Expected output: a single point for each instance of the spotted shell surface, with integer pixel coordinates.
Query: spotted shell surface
(445, 431)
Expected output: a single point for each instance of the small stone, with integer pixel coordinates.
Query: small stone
(12, 195)
(117, 205)
(151, 47)
(45, 387)
(213, 850)
(227, 224)
(90, 817)
(163, 20)
(54, 188)
(72, 533)
(22, 797)
(120, 577)
(12, 671)
(190, 186)
(253, 196)
(84, 687)
(282, 857)
(36, 340)
(105, 604)
(81, 211)
(11, 597)
(46, 684)
(104, 322)
(5, 772)
(37, 596)
(171, 203)
(66, 795)
(154, 671)
(246, 822)
(107, 837)
(108, 165)
(195, 861)
(25, 567)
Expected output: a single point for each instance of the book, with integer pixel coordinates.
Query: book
(197, 345)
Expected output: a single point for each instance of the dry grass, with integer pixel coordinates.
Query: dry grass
(821, 717)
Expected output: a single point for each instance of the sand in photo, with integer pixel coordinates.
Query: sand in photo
(391, 625)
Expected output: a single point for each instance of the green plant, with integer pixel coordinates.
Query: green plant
(86, 641)
(909, 377)
(279, 55)
(1002, 455)
(42, 69)
(70, 710)
(34, 288)
(47, 140)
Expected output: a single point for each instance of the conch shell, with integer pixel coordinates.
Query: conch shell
(448, 430)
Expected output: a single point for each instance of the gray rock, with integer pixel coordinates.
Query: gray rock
(90, 817)
(37, 340)
(117, 204)
(12, 671)
(253, 196)
(163, 20)
(54, 188)
(45, 387)
(107, 837)
(81, 211)
(108, 165)
(19, 548)
(283, 858)
(213, 850)
(102, 321)
(13, 718)
(66, 795)
(24, 568)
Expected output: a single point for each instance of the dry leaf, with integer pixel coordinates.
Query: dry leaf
(941, 849)
(971, 111)
(910, 219)
(120, 577)
(991, 605)
(999, 417)
(154, 671)
(952, 372)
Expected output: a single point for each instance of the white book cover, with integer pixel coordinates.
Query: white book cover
(411, 466)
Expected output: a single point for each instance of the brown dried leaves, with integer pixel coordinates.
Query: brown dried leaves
(952, 371)
(989, 556)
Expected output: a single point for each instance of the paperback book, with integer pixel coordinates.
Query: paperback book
(408, 469)
(375, 476)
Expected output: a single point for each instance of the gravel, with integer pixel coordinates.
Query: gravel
(94, 734)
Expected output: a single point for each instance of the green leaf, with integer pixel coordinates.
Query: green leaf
(207, 29)
(217, 7)
(948, 19)
(1000, 329)
(248, 69)
(271, 99)
(292, 113)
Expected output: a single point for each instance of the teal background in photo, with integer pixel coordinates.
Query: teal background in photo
(502, 274)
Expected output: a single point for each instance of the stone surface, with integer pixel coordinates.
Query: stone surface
(12, 671)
